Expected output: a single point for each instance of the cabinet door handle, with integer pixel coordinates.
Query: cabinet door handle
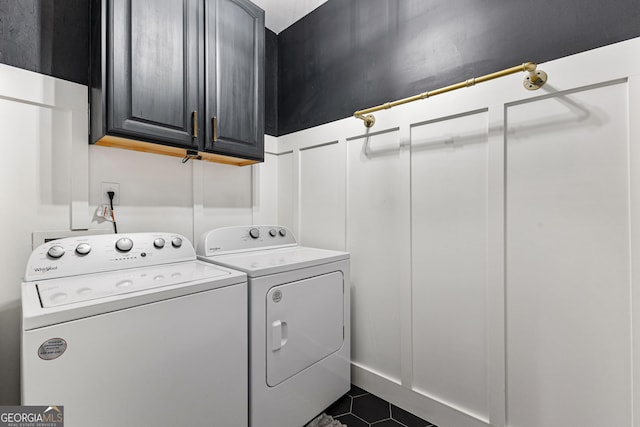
(194, 118)
(214, 127)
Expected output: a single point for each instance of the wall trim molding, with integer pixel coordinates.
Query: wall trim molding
(414, 401)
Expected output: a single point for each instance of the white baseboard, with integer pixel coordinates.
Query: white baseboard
(430, 409)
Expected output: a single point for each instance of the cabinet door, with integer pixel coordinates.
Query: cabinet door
(154, 72)
(235, 78)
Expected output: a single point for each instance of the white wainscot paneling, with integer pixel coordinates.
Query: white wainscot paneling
(35, 170)
(265, 184)
(379, 242)
(568, 260)
(227, 196)
(155, 191)
(24, 197)
(265, 190)
(449, 271)
(285, 190)
(322, 196)
(43, 128)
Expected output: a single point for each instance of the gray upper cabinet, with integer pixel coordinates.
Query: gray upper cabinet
(171, 75)
(235, 78)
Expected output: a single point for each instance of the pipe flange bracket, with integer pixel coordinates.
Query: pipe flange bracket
(530, 84)
(369, 120)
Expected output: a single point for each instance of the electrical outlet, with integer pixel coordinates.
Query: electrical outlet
(110, 186)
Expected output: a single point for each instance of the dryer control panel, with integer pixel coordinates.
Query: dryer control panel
(244, 238)
(91, 254)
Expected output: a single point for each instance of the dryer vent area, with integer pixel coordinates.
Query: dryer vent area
(359, 408)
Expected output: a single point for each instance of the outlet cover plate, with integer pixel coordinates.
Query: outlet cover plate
(110, 186)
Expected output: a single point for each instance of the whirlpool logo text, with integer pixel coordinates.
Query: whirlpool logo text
(45, 269)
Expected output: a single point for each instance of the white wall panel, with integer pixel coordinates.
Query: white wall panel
(568, 260)
(449, 252)
(227, 196)
(322, 196)
(30, 198)
(20, 201)
(265, 189)
(518, 310)
(160, 193)
(227, 186)
(634, 177)
(39, 126)
(285, 190)
(155, 191)
(378, 240)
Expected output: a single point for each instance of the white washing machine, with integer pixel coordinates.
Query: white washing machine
(299, 320)
(131, 330)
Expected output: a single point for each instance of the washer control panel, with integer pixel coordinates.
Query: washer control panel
(106, 252)
(244, 238)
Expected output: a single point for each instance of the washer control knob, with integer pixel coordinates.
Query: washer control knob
(282, 232)
(176, 242)
(158, 243)
(55, 251)
(124, 244)
(254, 233)
(83, 248)
(273, 232)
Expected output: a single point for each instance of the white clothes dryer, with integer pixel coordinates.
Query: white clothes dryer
(132, 330)
(299, 320)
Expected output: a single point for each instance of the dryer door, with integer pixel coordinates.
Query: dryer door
(305, 323)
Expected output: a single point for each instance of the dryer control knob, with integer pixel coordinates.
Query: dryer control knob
(273, 232)
(83, 248)
(55, 251)
(124, 244)
(282, 232)
(176, 242)
(159, 243)
(254, 233)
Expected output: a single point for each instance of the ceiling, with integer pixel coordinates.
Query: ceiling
(280, 14)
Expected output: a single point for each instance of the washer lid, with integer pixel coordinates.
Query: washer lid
(46, 302)
(273, 261)
(78, 289)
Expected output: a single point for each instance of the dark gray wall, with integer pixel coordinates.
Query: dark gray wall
(52, 37)
(271, 84)
(353, 54)
(47, 36)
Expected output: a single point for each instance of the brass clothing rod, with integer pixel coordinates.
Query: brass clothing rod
(534, 80)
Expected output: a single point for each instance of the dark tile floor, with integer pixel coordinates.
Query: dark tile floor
(359, 408)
